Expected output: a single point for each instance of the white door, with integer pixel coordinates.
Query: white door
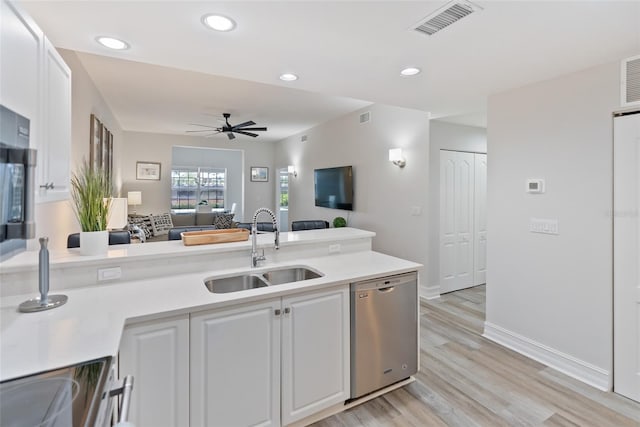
(157, 355)
(235, 366)
(315, 352)
(626, 259)
(456, 220)
(480, 220)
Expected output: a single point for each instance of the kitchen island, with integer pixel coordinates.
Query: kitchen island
(165, 281)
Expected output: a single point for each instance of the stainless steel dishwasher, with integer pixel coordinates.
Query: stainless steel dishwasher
(384, 332)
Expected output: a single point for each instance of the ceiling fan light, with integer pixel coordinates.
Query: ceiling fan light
(112, 43)
(288, 77)
(218, 22)
(410, 71)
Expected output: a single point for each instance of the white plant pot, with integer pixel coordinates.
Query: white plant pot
(94, 242)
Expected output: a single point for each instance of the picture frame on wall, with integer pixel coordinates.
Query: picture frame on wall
(95, 143)
(148, 171)
(107, 151)
(259, 174)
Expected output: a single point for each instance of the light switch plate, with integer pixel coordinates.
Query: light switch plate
(535, 185)
(112, 273)
(334, 249)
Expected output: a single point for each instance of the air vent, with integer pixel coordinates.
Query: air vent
(631, 81)
(445, 16)
(365, 117)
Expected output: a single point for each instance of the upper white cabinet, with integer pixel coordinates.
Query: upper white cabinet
(157, 355)
(54, 149)
(36, 83)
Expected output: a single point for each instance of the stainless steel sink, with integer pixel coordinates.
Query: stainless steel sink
(289, 274)
(234, 283)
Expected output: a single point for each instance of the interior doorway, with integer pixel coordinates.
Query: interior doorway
(626, 256)
(463, 220)
(282, 199)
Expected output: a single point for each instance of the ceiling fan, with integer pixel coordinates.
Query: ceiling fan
(229, 129)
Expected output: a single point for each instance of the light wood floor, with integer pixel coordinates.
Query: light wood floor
(466, 380)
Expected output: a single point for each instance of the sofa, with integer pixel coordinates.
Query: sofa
(167, 226)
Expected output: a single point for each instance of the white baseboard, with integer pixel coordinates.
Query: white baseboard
(431, 292)
(567, 364)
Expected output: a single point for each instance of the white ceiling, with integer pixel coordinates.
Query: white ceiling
(342, 50)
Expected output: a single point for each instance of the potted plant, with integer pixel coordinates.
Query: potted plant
(339, 222)
(91, 195)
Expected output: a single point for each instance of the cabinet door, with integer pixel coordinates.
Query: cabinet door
(54, 151)
(315, 352)
(235, 366)
(20, 67)
(157, 355)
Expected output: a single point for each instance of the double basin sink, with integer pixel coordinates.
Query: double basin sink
(242, 282)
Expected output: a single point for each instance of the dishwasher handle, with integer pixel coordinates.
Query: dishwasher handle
(124, 388)
(387, 289)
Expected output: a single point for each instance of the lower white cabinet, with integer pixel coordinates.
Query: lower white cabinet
(157, 355)
(270, 363)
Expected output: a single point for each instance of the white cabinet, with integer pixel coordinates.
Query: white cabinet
(36, 83)
(157, 355)
(270, 363)
(235, 366)
(20, 67)
(315, 352)
(55, 145)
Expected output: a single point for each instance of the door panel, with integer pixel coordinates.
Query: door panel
(456, 220)
(480, 220)
(626, 260)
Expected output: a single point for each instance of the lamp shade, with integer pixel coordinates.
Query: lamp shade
(117, 214)
(134, 197)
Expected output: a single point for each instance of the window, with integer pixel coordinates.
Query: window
(191, 186)
(284, 189)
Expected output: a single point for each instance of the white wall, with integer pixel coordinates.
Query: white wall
(554, 291)
(445, 136)
(57, 220)
(384, 193)
(153, 147)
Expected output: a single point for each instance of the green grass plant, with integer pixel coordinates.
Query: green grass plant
(89, 189)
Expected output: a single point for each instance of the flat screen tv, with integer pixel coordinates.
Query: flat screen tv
(334, 187)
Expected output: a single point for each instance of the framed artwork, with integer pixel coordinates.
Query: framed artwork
(107, 151)
(95, 141)
(259, 174)
(148, 171)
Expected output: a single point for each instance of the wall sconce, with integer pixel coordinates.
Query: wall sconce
(291, 169)
(134, 198)
(395, 156)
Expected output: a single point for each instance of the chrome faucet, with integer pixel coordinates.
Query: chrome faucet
(254, 232)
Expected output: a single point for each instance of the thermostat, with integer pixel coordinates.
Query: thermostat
(535, 186)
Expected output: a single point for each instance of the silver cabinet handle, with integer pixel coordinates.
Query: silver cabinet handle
(48, 186)
(124, 387)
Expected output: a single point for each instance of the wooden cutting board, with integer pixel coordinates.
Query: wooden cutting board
(206, 237)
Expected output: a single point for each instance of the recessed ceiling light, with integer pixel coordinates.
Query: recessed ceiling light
(112, 43)
(410, 71)
(288, 77)
(219, 22)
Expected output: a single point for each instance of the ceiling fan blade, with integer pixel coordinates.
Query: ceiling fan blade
(241, 125)
(204, 126)
(230, 135)
(246, 133)
(254, 129)
(203, 130)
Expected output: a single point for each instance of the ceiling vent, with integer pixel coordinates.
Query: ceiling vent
(365, 117)
(631, 81)
(303, 138)
(445, 16)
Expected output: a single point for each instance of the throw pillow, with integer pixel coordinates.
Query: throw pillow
(141, 222)
(161, 224)
(224, 221)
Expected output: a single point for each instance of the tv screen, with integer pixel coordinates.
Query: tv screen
(334, 187)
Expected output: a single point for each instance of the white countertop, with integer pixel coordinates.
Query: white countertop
(90, 325)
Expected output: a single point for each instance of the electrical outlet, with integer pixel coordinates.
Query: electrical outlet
(334, 249)
(544, 226)
(112, 273)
